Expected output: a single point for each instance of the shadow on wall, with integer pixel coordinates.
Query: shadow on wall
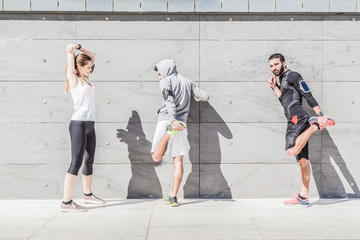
(144, 182)
(212, 181)
(328, 181)
(191, 186)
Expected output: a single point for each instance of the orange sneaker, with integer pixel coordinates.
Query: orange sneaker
(297, 201)
(313, 120)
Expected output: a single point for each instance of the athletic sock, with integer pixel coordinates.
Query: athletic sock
(88, 195)
(302, 198)
(67, 203)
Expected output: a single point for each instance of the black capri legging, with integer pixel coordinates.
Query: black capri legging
(83, 143)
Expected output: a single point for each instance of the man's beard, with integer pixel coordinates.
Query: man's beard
(281, 71)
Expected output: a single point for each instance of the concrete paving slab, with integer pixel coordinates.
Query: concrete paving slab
(201, 219)
(20, 219)
(194, 219)
(118, 219)
(324, 219)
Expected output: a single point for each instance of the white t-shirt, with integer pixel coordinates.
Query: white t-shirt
(84, 102)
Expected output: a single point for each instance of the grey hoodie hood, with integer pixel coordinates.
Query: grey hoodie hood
(166, 68)
(176, 91)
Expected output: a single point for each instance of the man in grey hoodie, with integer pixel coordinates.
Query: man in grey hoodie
(171, 133)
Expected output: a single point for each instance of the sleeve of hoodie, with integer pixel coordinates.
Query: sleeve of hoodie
(168, 97)
(299, 84)
(199, 95)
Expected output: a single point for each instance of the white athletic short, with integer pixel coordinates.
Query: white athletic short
(177, 145)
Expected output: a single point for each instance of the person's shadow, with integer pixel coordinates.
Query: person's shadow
(144, 182)
(208, 173)
(328, 181)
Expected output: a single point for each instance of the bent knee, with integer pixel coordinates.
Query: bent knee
(74, 169)
(156, 158)
(293, 151)
(178, 159)
(303, 162)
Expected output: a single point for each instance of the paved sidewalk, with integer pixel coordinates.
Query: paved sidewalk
(194, 219)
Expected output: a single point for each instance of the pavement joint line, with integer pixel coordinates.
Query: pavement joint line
(253, 223)
(148, 229)
(42, 226)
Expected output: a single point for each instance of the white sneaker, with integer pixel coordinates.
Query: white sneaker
(92, 199)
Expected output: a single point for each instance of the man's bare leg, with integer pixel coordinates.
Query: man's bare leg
(178, 174)
(301, 141)
(160, 148)
(305, 171)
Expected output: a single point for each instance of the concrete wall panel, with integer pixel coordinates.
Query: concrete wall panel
(124, 143)
(63, 27)
(181, 6)
(261, 5)
(341, 61)
(37, 105)
(248, 61)
(44, 181)
(125, 180)
(341, 144)
(131, 60)
(261, 28)
(54, 106)
(99, 6)
(207, 5)
(145, 98)
(154, 5)
(246, 180)
(110, 180)
(222, 181)
(131, 143)
(342, 29)
(72, 5)
(340, 180)
(339, 6)
(289, 6)
(40, 5)
(316, 6)
(341, 101)
(16, 5)
(202, 6)
(235, 143)
(118, 28)
(143, 181)
(235, 5)
(46, 60)
(116, 143)
(35, 143)
(245, 102)
(126, 5)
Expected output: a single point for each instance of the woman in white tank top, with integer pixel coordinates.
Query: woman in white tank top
(81, 128)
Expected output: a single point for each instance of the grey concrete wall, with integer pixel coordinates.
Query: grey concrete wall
(187, 6)
(236, 140)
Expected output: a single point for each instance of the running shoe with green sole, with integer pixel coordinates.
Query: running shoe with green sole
(171, 201)
(173, 132)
